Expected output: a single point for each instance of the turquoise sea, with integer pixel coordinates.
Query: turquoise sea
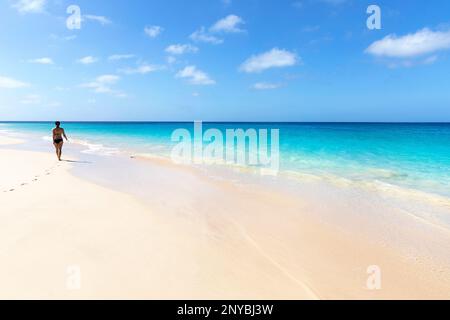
(414, 156)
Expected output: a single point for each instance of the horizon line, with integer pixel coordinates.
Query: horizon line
(215, 121)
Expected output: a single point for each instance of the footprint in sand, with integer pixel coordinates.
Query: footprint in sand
(24, 184)
(11, 190)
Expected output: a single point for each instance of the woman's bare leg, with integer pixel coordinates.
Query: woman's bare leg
(56, 149)
(59, 150)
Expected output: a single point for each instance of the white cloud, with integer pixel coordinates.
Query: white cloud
(274, 58)
(35, 99)
(54, 104)
(422, 42)
(202, 36)
(59, 88)
(30, 6)
(230, 23)
(41, 61)
(87, 60)
(142, 69)
(31, 99)
(195, 76)
(431, 60)
(9, 83)
(121, 95)
(100, 19)
(108, 78)
(266, 86)
(116, 57)
(153, 31)
(171, 60)
(103, 84)
(178, 49)
(409, 63)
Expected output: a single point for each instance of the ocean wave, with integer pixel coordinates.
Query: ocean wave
(97, 148)
(92, 148)
(13, 134)
(6, 132)
(380, 173)
(380, 186)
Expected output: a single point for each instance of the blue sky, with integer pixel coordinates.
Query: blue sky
(225, 60)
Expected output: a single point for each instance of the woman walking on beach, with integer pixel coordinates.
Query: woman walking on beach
(58, 142)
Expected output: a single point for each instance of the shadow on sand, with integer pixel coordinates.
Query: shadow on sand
(73, 161)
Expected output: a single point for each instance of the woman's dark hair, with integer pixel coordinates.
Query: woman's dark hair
(57, 123)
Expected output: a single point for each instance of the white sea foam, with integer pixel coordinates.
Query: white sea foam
(92, 148)
(96, 148)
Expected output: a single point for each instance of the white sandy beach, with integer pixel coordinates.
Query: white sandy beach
(194, 237)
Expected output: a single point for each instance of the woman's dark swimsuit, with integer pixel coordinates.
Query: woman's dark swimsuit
(58, 141)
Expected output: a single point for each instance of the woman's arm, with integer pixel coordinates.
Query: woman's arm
(64, 134)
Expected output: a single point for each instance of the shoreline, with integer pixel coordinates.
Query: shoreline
(190, 237)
